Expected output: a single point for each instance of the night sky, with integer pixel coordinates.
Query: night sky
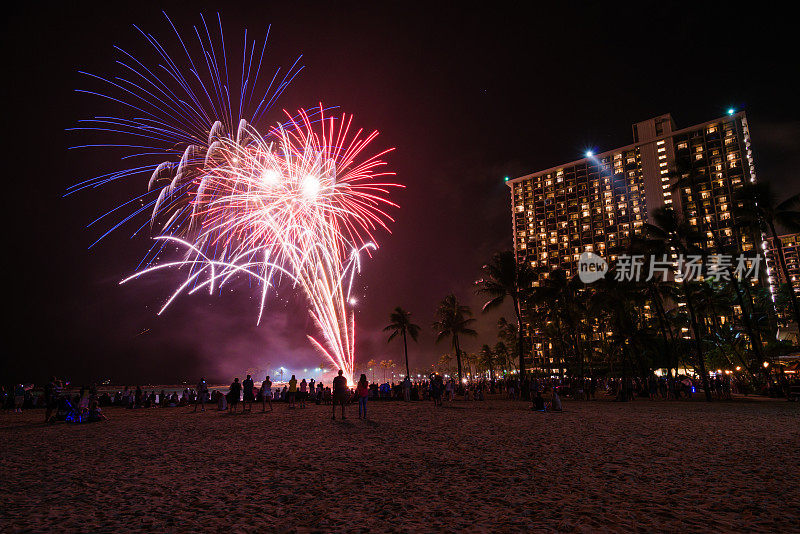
(465, 96)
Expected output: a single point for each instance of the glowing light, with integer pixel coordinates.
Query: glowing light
(738, 367)
(505, 179)
(589, 153)
(270, 177)
(310, 186)
(353, 301)
(731, 111)
(765, 364)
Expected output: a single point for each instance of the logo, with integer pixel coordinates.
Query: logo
(591, 267)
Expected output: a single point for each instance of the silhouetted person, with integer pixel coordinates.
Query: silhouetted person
(303, 393)
(202, 390)
(340, 393)
(538, 402)
(292, 391)
(51, 393)
(266, 394)
(248, 393)
(233, 395)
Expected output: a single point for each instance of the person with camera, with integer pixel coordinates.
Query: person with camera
(202, 390)
(266, 394)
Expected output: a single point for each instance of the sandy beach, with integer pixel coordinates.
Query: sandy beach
(468, 466)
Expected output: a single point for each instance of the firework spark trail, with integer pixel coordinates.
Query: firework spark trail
(304, 203)
(296, 206)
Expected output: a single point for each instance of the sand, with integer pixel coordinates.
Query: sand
(494, 465)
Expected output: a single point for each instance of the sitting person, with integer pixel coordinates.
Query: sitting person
(95, 413)
(83, 403)
(556, 404)
(538, 403)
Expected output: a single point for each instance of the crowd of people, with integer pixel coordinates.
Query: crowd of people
(59, 404)
(86, 404)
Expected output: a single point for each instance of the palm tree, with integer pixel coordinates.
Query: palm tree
(508, 334)
(502, 355)
(756, 203)
(444, 363)
(454, 320)
(401, 325)
(488, 359)
(504, 277)
(371, 366)
(386, 364)
(673, 235)
(619, 307)
(560, 306)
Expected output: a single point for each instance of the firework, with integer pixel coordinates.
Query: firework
(296, 206)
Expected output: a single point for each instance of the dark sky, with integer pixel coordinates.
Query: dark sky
(465, 95)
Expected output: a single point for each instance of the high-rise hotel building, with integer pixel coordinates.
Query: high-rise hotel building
(790, 243)
(598, 202)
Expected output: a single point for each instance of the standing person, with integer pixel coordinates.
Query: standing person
(362, 393)
(449, 390)
(662, 387)
(303, 393)
(19, 397)
(50, 399)
(202, 390)
(407, 389)
(436, 389)
(234, 394)
(248, 393)
(266, 394)
(340, 393)
(292, 391)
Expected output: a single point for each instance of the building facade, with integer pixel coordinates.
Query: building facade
(791, 253)
(599, 202)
